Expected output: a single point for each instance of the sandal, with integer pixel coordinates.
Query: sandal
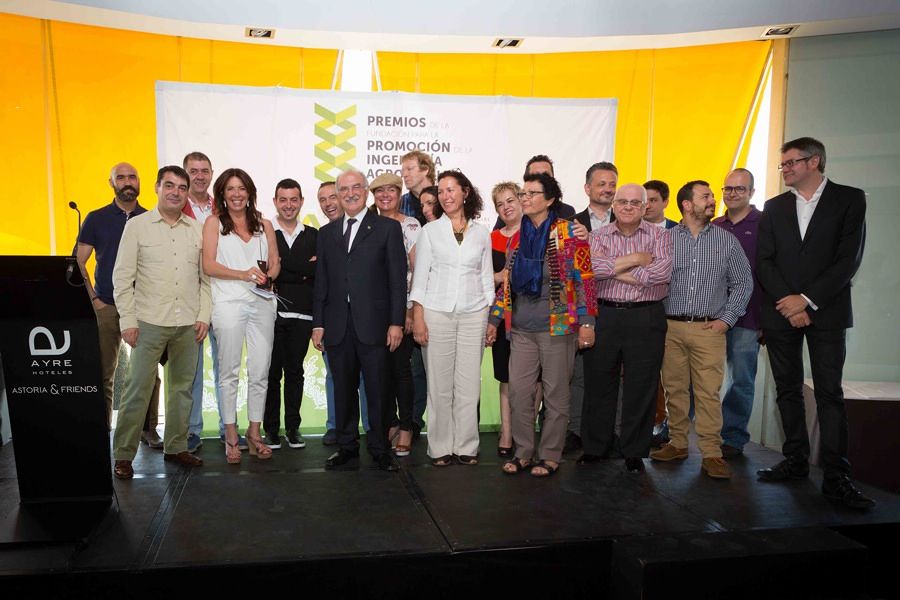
(516, 466)
(504, 452)
(467, 460)
(442, 461)
(550, 470)
(257, 447)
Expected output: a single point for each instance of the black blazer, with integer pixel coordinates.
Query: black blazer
(372, 275)
(820, 265)
(584, 217)
(295, 281)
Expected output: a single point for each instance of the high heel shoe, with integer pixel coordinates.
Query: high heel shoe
(232, 453)
(257, 447)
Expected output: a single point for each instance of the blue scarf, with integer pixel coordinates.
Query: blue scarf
(528, 268)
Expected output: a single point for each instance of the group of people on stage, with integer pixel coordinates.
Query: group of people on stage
(612, 328)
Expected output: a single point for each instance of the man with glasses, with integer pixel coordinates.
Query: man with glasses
(710, 287)
(811, 241)
(632, 262)
(742, 220)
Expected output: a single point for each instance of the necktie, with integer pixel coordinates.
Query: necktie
(347, 231)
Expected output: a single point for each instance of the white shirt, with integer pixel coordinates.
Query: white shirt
(355, 228)
(201, 213)
(290, 238)
(453, 277)
(806, 208)
(598, 222)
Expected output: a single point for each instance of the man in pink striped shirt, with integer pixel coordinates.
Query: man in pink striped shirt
(632, 262)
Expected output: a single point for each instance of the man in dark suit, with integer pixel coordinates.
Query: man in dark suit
(810, 245)
(359, 309)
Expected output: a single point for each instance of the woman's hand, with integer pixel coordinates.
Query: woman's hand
(420, 329)
(585, 337)
(255, 275)
(490, 336)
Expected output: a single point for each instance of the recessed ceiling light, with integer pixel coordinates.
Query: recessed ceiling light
(508, 42)
(259, 32)
(780, 31)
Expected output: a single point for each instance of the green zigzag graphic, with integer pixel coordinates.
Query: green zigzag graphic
(335, 150)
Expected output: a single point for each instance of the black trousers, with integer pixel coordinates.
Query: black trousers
(629, 347)
(400, 393)
(288, 353)
(827, 350)
(346, 359)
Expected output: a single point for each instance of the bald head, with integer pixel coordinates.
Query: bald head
(124, 180)
(629, 205)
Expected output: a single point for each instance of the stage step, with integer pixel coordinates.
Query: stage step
(782, 563)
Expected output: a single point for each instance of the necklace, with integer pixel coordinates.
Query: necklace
(458, 233)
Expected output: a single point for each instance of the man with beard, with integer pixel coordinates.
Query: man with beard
(711, 285)
(101, 233)
(600, 182)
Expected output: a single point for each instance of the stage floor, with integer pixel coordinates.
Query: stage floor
(290, 510)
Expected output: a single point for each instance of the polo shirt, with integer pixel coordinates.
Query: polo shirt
(102, 229)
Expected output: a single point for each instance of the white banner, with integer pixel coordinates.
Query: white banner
(311, 135)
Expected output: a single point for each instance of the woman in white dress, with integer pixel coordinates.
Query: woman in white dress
(240, 256)
(452, 288)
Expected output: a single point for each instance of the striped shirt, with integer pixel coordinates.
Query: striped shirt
(608, 244)
(711, 276)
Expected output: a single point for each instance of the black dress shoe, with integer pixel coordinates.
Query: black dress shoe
(386, 462)
(588, 459)
(785, 470)
(572, 443)
(843, 492)
(731, 451)
(634, 465)
(340, 458)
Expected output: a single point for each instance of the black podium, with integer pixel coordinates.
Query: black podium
(51, 366)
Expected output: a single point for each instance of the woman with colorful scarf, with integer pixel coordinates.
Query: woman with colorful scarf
(548, 302)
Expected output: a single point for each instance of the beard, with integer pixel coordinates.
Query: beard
(127, 194)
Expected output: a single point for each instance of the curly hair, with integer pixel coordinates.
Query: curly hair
(472, 203)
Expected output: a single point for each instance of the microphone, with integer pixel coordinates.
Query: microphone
(71, 267)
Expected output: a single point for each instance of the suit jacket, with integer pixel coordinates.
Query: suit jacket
(584, 217)
(670, 223)
(372, 275)
(820, 265)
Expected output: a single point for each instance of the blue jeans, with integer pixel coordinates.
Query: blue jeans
(195, 423)
(740, 381)
(329, 397)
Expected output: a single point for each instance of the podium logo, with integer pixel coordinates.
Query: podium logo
(52, 349)
(335, 151)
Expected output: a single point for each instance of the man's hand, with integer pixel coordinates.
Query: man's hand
(394, 337)
(801, 319)
(641, 259)
(579, 230)
(130, 336)
(408, 325)
(791, 305)
(317, 335)
(201, 328)
(586, 337)
(490, 335)
(719, 326)
(98, 304)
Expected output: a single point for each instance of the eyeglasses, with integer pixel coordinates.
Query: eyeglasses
(622, 202)
(788, 164)
(528, 195)
(737, 189)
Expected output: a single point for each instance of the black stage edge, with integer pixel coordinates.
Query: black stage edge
(286, 526)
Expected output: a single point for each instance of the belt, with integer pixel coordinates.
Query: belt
(690, 318)
(613, 304)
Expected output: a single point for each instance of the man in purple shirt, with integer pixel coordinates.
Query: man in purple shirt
(742, 220)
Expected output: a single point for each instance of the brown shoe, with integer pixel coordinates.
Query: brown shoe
(123, 469)
(152, 439)
(184, 458)
(716, 468)
(668, 452)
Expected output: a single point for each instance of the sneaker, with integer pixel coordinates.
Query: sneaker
(294, 439)
(273, 441)
(194, 442)
(716, 468)
(242, 441)
(330, 438)
(152, 439)
(669, 452)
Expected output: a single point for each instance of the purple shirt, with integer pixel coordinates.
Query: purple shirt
(746, 231)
